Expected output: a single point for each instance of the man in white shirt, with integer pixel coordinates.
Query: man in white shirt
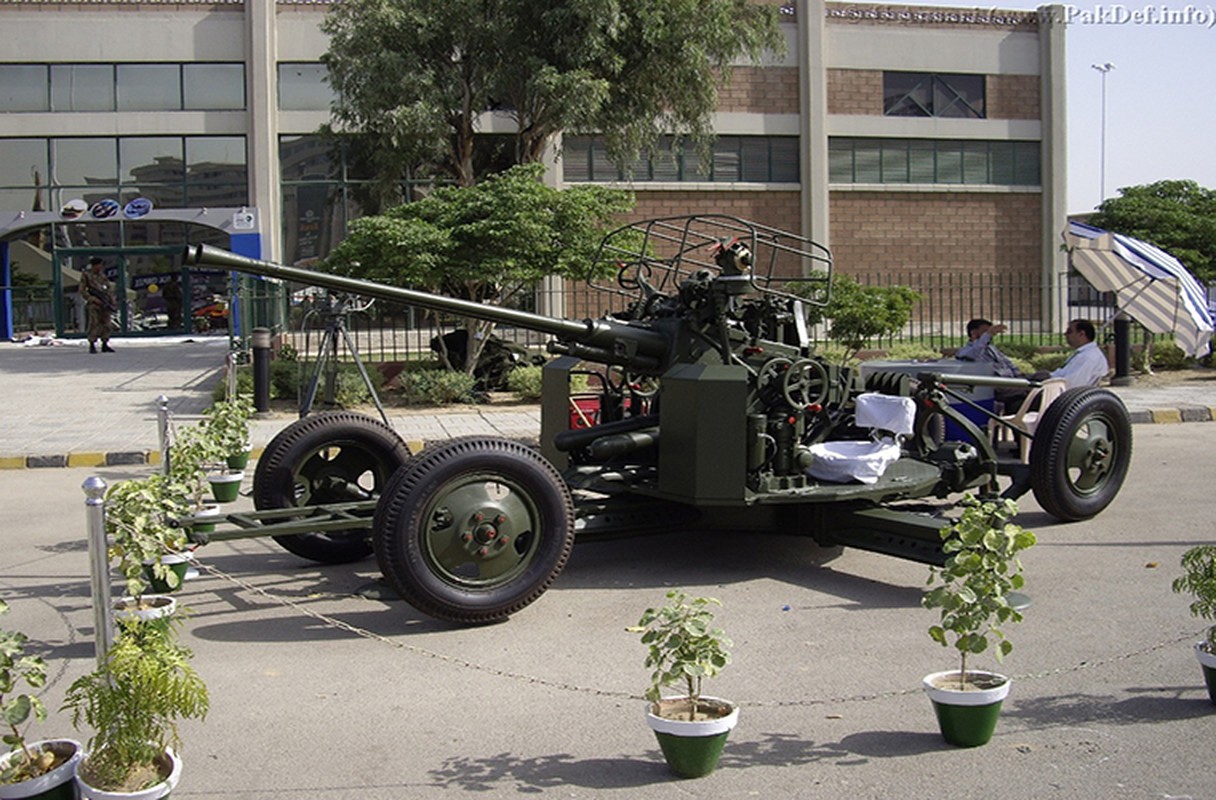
(1087, 365)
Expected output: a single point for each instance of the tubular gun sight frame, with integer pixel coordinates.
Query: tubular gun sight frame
(708, 407)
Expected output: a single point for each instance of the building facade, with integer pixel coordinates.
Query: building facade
(920, 139)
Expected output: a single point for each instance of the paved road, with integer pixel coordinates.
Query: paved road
(67, 407)
(324, 687)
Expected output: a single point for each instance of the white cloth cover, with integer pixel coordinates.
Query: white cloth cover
(841, 462)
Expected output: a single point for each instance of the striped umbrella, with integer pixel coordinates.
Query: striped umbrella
(1150, 285)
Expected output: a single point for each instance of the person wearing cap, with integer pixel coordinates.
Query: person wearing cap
(99, 305)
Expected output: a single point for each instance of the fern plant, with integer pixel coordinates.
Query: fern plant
(133, 702)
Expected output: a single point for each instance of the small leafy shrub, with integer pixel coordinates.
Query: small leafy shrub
(1199, 580)
(912, 352)
(981, 569)
(525, 382)
(17, 708)
(683, 645)
(1019, 351)
(436, 387)
(1166, 356)
(1046, 362)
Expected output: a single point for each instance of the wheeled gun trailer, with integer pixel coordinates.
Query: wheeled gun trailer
(706, 407)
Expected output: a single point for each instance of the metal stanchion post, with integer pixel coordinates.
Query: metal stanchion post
(99, 567)
(162, 430)
(230, 363)
(261, 369)
(1123, 349)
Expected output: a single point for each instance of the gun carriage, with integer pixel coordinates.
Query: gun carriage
(708, 408)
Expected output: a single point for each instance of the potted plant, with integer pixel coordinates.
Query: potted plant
(685, 648)
(972, 591)
(1199, 580)
(132, 704)
(199, 458)
(228, 423)
(39, 769)
(143, 520)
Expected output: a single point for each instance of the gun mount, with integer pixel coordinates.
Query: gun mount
(708, 407)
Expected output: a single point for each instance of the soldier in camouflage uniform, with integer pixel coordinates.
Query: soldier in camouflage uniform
(99, 305)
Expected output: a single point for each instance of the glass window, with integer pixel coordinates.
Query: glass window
(576, 152)
(23, 87)
(304, 87)
(602, 169)
(895, 162)
(19, 159)
(149, 87)
(975, 162)
(213, 157)
(840, 160)
(922, 161)
(82, 87)
(933, 161)
(80, 162)
(949, 162)
(213, 86)
(867, 161)
(306, 158)
(726, 159)
(924, 94)
(664, 163)
(753, 158)
(1026, 169)
(784, 159)
(151, 159)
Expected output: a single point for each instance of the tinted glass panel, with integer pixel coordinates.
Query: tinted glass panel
(949, 162)
(907, 94)
(840, 160)
(303, 87)
(895, 162)
(306, 158)
(958, 96)
(575, 152)
(975, 162)
(213, 86)
(78, 162)
(1027, 169)
(867, 161)
(19, 158)
(23, 87)
(726, 159)
(922, 162)
(215, 157)
(664, 163)
(784, 159)
(753, 159)
(149, 87)
(152, 159)
(82, 87)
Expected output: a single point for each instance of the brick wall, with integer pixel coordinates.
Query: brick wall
(978, 233)
(767, 90)
(1013, 97)
(855, 91)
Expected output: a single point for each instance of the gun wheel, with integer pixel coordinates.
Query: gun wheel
(474, 530)
(1081, 452)
(331, 457)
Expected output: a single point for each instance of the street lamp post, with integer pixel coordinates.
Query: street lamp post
(1102, 68)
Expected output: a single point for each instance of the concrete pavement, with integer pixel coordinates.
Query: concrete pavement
(65, 407)
(325, 687)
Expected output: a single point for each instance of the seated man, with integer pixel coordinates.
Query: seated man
(1087, 365)
(979, 347)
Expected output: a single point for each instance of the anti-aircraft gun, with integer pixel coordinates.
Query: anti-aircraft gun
(708, 407)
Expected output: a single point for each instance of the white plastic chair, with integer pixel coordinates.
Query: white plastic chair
(889, 419)
(1024, 419)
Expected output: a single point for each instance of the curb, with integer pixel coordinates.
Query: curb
(1159, 416)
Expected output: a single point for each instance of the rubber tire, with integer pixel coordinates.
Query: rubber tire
(401, 545)
(274, 478)
(1054, 488)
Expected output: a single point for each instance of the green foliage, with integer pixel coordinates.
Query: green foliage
(133, 702)
(1179, 216)
(142, 522)
(683, 644)
(1019, 351)
(193, 453)
(912, 352)
(1165, 356)
(18, 709)
(857, 313)
(412, 76)
(227, 423)
(482, 242)
(436, 387)
(1046, 362)
(973, 586)
(525, 382)
(1199, 580)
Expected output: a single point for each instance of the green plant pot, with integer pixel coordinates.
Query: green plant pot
(692, 749)
(238, 460)
(967, 718)
(177, 564)
(58, 784)
(227, 487)
(205, 519)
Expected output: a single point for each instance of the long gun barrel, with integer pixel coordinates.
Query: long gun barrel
(606, 341)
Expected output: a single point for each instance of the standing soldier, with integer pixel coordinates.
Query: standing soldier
(99, 305)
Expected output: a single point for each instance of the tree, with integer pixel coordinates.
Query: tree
(483, 242)
(415, 75)
(1177, 216)
(859, 313)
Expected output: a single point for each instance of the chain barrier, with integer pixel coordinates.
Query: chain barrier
(596, 692)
